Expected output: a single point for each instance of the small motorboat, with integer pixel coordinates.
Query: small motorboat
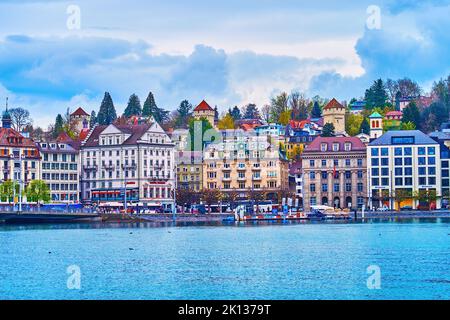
(229, 219)
(316, 215)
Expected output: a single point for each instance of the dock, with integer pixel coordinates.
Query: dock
(46, 217)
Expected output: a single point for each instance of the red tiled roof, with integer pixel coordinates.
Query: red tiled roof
(248, 126)
(79, 112)
(315, 146)
(83, 134)
(298, 124)
(333, 104)
(63, 137)
(6, 133)
(203, 106)
(394, 113)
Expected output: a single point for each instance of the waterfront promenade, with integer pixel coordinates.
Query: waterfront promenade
(92, 216)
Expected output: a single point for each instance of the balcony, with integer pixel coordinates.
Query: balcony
(242, 178)
(129, 166)
(90, 167)
(254, 178)
(109, 167)
(226, 178)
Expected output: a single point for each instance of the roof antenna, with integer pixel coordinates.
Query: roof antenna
(6, 103)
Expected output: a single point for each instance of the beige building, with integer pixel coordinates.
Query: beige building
(334, 173)
(334, 113)
(243, 162)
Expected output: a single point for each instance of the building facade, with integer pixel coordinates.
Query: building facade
(61, 171)
(189, 170)
(137, 158)
(335, 173)
(240, 163)
(19, 156)
(401, 165)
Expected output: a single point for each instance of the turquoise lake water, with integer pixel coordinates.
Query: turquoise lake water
(295, 261)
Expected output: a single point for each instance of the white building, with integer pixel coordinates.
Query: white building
(138, 158)
(400, 165)
(61, 170)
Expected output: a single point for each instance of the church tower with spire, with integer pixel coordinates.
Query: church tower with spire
(6, 117)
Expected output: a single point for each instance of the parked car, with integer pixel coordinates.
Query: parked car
(406, 208)
(383, 209)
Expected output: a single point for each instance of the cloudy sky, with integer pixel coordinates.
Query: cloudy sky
(227, 52)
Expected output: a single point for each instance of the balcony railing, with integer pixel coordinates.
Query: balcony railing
(90, 167)
(109, 167)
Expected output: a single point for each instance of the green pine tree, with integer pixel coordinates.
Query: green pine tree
(235, 113)
(251, 112)
(93, 119)
(412, 114)
(107, 113)
(151, 109)
(134, 107)
(59, 125)
(184, 112)
(376, 96)
(328, 130)
(316, 111)
(365, 127)
(149, 105)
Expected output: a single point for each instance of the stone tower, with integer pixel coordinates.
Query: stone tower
(334, 113)
(204, 110)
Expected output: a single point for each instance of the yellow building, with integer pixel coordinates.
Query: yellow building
(334, 113)
(189, 170)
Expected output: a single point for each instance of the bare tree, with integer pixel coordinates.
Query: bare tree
(20, 118)
(299, 105)
(210, 197)
(265, 113)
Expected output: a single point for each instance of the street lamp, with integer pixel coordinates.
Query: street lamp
(174, 206)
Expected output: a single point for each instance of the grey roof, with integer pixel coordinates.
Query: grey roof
(440, 135)
(419, 137)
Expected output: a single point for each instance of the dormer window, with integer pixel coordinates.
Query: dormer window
(53, 145)
(62, 146)
(348, 146)
(323, 147)
(335, 146)
(44, 145)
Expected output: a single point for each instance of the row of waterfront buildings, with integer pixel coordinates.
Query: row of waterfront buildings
(139, 162)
